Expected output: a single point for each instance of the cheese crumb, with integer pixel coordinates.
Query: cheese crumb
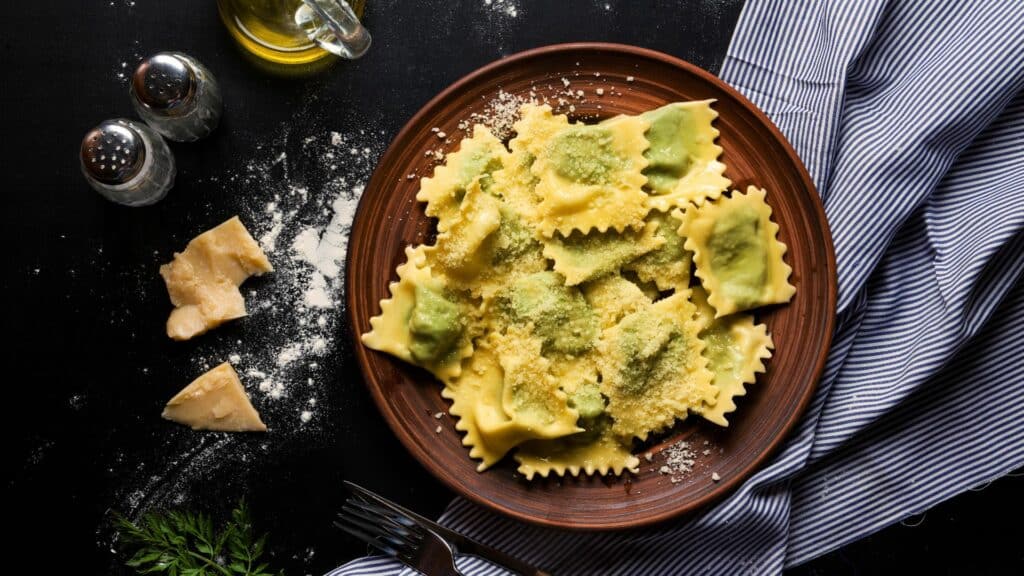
(715, 477)
(439, 415)
(679, 461)
(629, 78)
(600, 91)
(438, 430)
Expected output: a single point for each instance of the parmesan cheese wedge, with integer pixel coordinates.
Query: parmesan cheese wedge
(215, 401)
(203, 280)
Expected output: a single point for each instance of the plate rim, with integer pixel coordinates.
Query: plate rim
(728, 485)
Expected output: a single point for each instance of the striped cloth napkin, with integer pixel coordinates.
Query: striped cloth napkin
(909, 115)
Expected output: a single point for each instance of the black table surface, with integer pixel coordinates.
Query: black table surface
(90, 365)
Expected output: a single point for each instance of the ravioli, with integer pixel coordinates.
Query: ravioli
(558, 314)
(423, 322)
(507, 396)
(596, 450)
(736, 348)
(613, 297)
(485, 246)
(475, 161)
(582, 257)
(652, 369)
(591, 177)
(683, 164)
(667, 266)
(555, 304)
(738, 257)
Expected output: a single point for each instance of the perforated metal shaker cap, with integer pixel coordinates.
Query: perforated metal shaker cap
(113, 152)
(165, 83)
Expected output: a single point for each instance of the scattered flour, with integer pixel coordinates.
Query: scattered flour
(300, 196)
(297, 195)
(314, 193)
(509, 8)
(324, 250)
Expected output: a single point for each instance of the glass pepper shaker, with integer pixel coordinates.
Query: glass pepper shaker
(127, 162)
(177, 96)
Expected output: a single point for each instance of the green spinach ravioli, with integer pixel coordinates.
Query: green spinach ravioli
(590, 286)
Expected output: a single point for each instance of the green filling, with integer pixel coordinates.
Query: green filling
(651, 347)
(587, 400)
(479, 162)
(720, 350)
(738, 256)
(514, 240)
(560, 315)
(672, 250)
(584, 154)
(435, 325)
(668, 156)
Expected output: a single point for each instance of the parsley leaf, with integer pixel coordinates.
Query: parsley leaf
(180, 543)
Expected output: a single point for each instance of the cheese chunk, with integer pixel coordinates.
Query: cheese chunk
(215, 401)
(203, 280)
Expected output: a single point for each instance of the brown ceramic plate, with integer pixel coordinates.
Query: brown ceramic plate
(389, 219)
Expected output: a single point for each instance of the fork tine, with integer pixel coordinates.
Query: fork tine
(372, 541)
(424, 549)
(393, 516)
(395, 528)
(377, 499)
(376, 531)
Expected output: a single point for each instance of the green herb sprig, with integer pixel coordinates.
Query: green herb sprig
(185, 544)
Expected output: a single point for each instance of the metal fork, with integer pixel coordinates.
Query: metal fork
(398, 537)
(418, 542)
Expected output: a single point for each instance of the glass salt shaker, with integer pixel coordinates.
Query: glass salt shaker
(127, 162)
(177, 96)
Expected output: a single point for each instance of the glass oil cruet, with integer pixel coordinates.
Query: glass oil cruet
(297, 31)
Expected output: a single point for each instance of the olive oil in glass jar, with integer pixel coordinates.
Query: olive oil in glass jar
(296, 31)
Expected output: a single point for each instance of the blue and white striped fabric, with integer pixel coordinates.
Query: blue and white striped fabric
(910, 117)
